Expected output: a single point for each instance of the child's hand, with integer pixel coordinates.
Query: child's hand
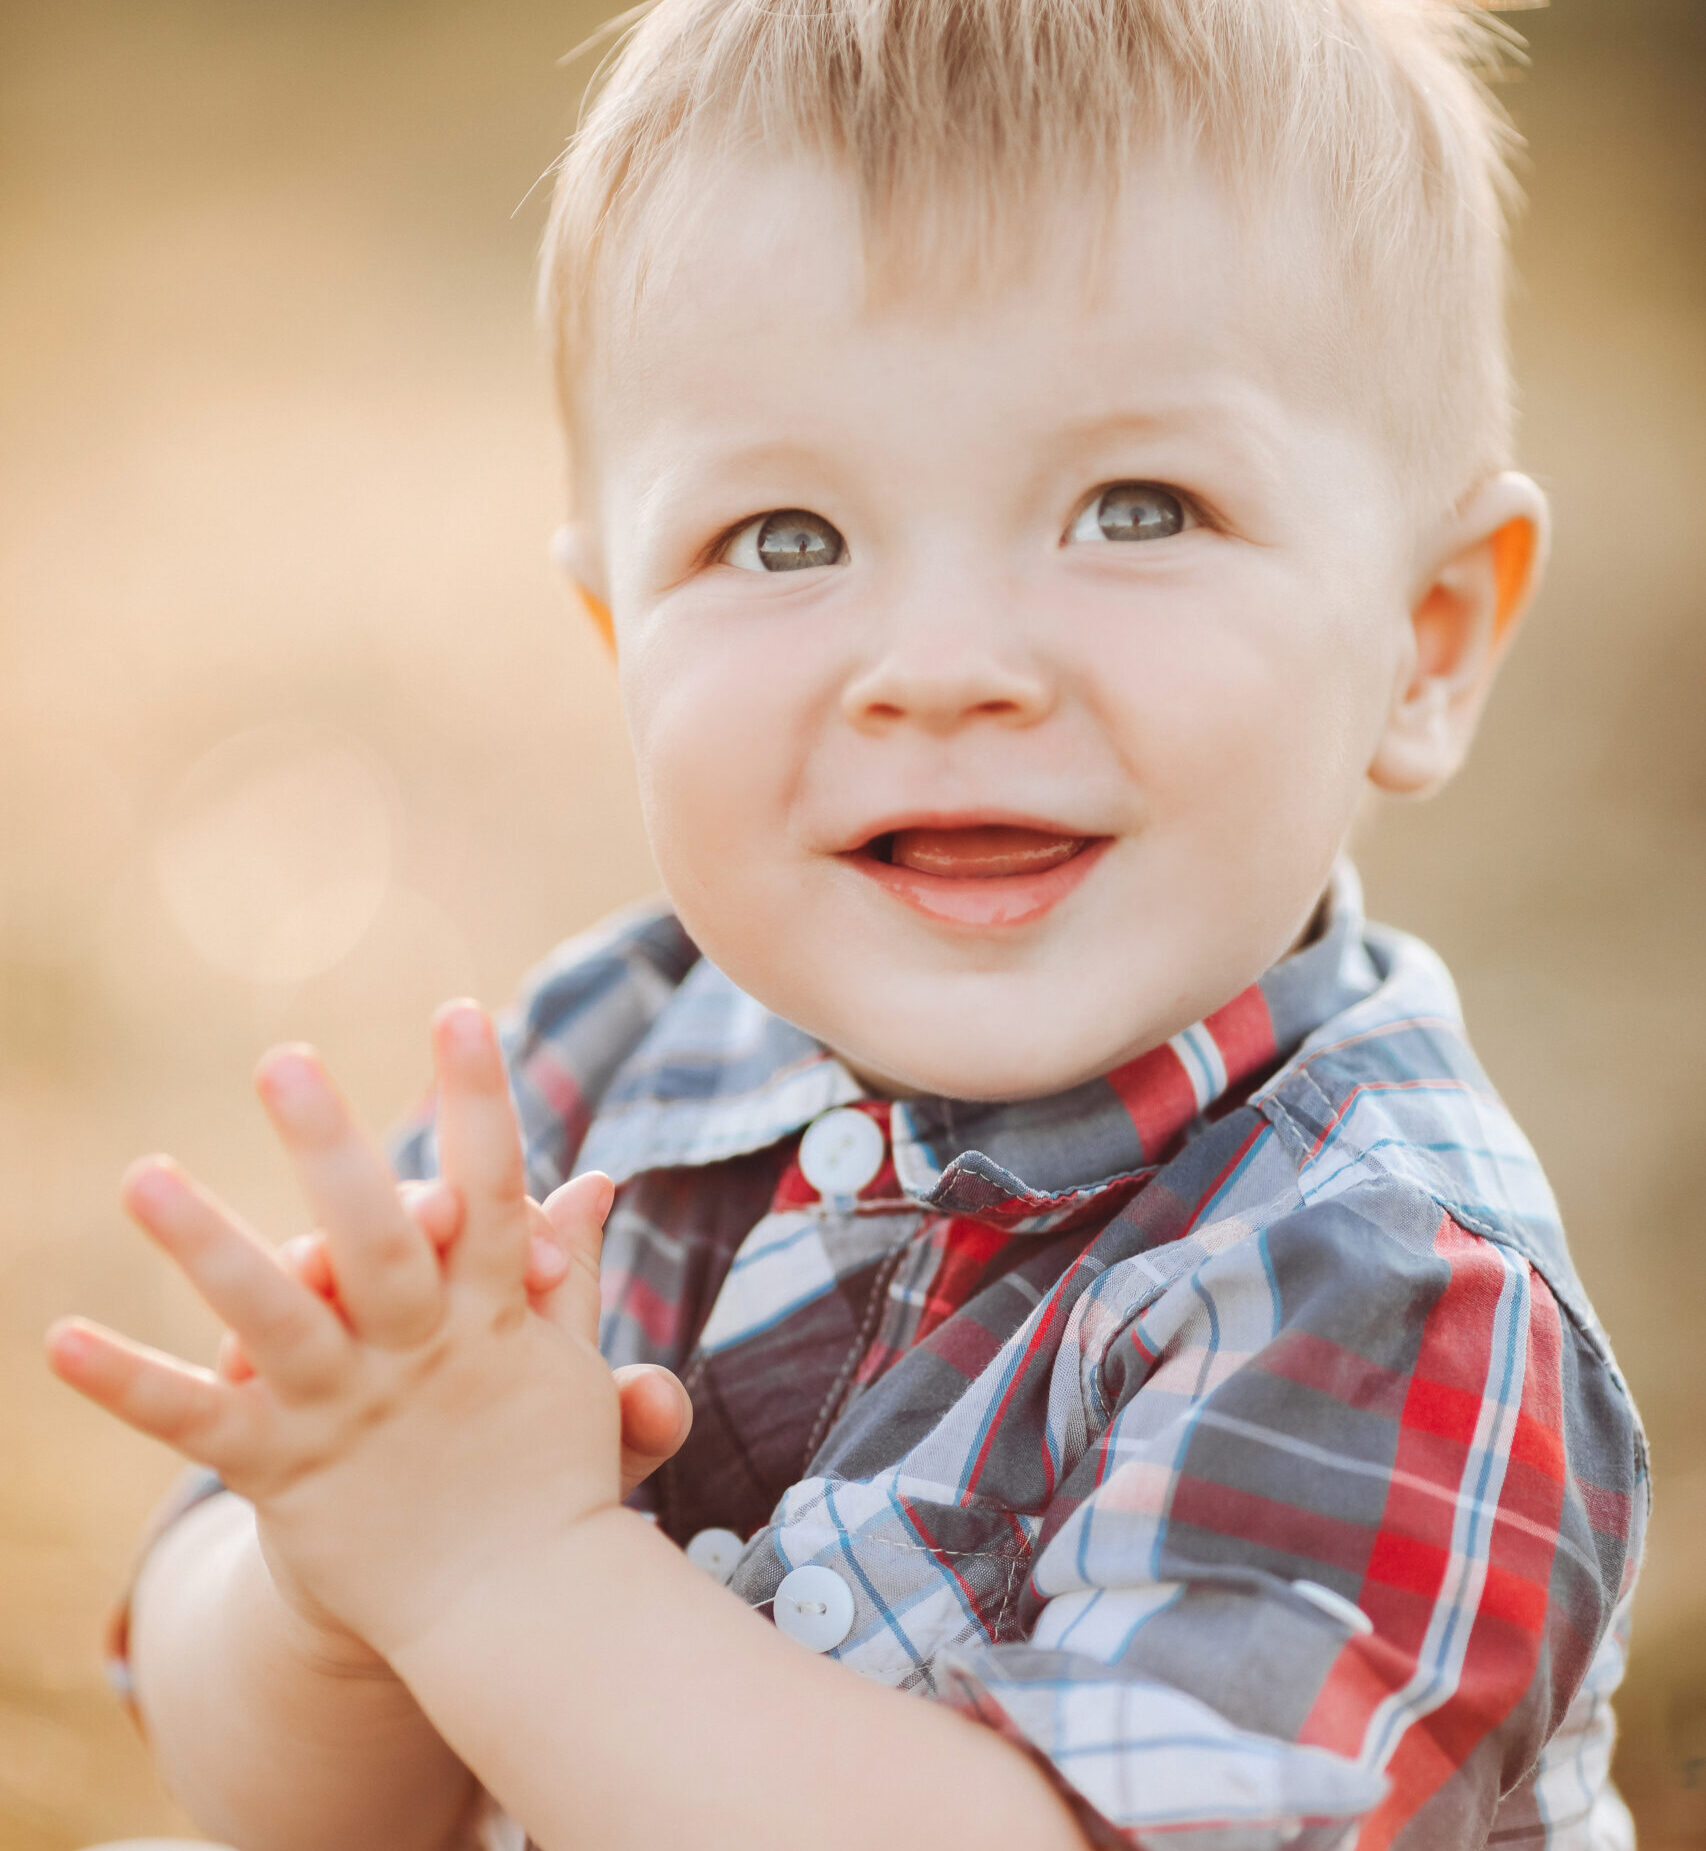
(399, 1454)
(656, 1410)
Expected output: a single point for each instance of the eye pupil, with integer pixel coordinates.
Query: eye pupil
(1135, 511)
(792, 540)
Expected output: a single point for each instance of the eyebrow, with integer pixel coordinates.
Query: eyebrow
(1167, 419)
(1244, 416)
(1236, 425)
(694, 466)
(760, 453)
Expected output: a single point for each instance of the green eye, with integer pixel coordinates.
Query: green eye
(1131, 511)
(790, 540)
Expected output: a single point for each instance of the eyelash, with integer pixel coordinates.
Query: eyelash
(1091, 512)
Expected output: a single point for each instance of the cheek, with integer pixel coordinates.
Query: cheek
(715, 740)
(1244, 702)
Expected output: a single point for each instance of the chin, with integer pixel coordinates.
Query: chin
(950, 1064)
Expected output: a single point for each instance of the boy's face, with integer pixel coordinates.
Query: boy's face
(1045, 742)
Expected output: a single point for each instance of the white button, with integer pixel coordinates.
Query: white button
(815, 1606)
(715, 1551)
(1346, 1612)
(841, 1151)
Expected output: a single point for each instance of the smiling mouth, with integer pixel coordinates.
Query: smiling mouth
(979, 874)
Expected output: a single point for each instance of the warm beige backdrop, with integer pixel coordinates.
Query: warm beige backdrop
(298, 735)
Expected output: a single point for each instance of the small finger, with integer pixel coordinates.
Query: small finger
(387, 1274)
(205, 1420)
(479, 1145)
(232, 1363)
(657, 1415)
(287, 1333)
(575, 1215)
(304, 1256)
(547, 1261)
(435, 1208)
(547, 1266)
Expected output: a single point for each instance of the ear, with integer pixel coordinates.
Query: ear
(1481, 576)
(574, 549)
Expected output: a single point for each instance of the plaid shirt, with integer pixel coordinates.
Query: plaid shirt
(1231, 1432)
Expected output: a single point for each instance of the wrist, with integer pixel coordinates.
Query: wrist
(573, 1572)
(315, 1638)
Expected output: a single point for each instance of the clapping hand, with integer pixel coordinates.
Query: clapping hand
(401, 1409)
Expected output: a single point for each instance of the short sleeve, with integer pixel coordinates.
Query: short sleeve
(1358, 1510)
(192, 1488)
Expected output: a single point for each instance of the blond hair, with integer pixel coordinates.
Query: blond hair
(958, 118)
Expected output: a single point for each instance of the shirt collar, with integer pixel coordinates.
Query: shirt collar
(718, 1076)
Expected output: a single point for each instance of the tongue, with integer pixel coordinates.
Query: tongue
(982, 853)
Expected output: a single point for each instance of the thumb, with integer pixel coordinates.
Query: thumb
(657, 1415)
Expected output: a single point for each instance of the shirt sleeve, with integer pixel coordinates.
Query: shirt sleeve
(193, 1486)
(1356, 1510)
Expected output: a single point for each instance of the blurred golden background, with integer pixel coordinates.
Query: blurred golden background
(298, 734)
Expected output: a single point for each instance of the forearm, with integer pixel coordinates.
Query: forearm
(648, 1707)
(266, 1734)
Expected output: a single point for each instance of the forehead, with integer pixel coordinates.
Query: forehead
(764, 301)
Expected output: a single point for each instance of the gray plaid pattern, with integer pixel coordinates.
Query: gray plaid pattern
(1233, 1434)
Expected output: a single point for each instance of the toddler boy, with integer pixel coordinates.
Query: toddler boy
(1041, 462)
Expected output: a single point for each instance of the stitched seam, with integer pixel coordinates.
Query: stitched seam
(834, 1400)
(1013, 1565)
(1015, 1557)
(1052, 1201)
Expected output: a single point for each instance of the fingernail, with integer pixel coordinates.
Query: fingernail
(600, 1193)
(68, 1340)
(149, 1182)
(287, 1075)
(591, 1193)
(464, 1025)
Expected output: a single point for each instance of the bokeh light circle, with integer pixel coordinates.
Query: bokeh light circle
(274, 855)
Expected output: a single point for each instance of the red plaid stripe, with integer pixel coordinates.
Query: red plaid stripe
(1412, 1554)
(1244, 1033)
(1156, 1090)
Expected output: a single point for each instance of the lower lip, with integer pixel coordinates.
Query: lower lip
(1003, 900)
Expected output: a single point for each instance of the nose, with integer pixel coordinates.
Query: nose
(942, 676)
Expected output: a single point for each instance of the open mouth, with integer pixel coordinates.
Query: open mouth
(979, 874)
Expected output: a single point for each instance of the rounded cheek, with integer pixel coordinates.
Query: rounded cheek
(715, 740)
(1249, 752)
(1240, 756)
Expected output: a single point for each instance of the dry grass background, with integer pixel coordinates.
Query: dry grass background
(278, 643)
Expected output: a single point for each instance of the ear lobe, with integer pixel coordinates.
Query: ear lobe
(574, 554)
(1486, 568)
